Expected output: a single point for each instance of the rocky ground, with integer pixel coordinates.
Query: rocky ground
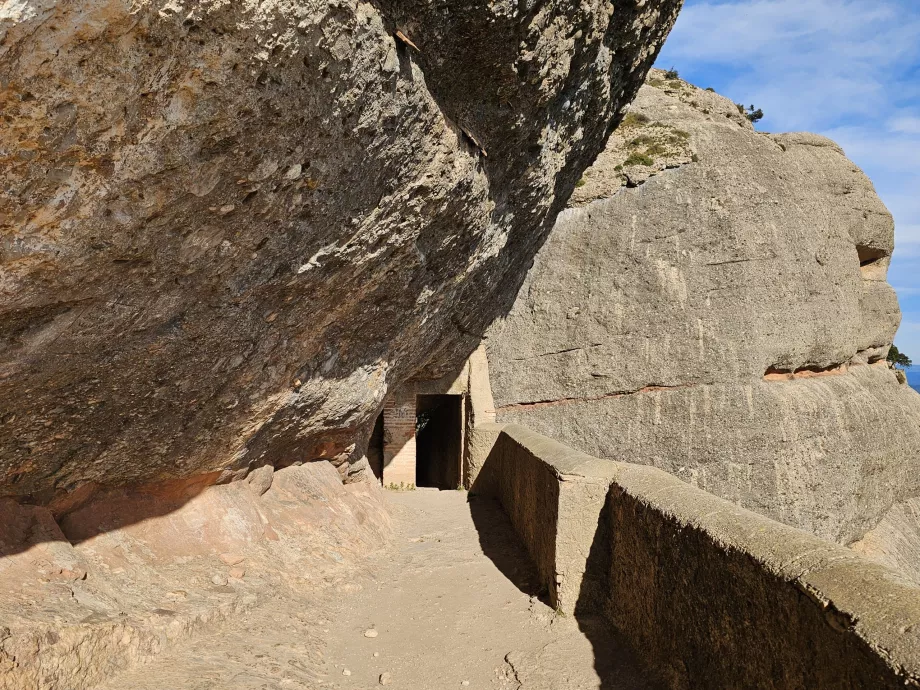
(451, 604)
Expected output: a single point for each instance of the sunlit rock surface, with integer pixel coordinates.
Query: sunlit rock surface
(228, 229)
(714, 303)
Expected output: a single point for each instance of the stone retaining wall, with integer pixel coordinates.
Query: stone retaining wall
(705, 591)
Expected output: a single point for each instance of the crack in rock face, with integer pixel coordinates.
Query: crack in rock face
(740, 292)
(227, 229)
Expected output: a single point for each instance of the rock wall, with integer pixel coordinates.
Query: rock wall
(132, 575)
(227, 229)
(714, 303)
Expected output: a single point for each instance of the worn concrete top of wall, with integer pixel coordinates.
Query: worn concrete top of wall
(869, 609)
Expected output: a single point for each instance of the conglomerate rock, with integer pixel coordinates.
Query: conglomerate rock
(715, 304)
(229, 228)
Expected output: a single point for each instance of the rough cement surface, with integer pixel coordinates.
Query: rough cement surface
(708, 314)
(712, 595)
(895, 541)
(227, 229)
(129, 579)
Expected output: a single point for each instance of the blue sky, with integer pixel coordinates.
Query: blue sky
(848, 69)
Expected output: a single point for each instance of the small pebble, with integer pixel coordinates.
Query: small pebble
(346, 672)
(464, 683)
(219, 580)
(385, 678)
(370, 633)
(376, 654)
(237, 573)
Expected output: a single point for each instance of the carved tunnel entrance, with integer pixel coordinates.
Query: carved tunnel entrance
(439, 445)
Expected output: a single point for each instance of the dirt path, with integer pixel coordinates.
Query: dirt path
(452, 605)
(447, 615)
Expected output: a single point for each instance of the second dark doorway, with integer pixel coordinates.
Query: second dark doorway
(439, 420)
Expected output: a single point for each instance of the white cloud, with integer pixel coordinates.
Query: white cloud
(843, 68)
(880, 147)
(807, 63)
(907, 124)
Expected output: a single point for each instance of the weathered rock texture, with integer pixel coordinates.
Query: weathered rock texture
(127, 578)
(228, 228)
(715, 305)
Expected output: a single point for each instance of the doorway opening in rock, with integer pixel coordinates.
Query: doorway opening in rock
(375, 449)
(438, 439)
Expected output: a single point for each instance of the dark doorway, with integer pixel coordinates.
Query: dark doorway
(438, 429)
(375, 449)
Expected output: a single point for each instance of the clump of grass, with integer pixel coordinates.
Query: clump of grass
(675, 84)
(655, 150)
(402, 486)
(695, 158)
(710, 89)
(672, 74)
(637, 158)
(635, 120)
(657, 83)
(643, 140)
(581, 183)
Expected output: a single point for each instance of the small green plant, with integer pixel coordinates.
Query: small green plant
(695, 158)
(753, 114)
(671, 74)
(675, 84)
(581, 183)
(898, 358)
(657, 83)
(635, 120)
(710, 89)
(402, 486)
(618, 168)
(637, 158)
(643, 140)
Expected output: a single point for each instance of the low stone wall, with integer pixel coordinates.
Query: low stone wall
(705, 591)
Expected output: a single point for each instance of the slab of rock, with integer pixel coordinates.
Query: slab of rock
(714, 303)
(229, 228)
(132, 590)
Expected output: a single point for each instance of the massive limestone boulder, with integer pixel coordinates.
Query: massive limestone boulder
(226, 229)
(714, 303)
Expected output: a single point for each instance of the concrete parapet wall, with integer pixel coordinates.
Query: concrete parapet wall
(711, 594)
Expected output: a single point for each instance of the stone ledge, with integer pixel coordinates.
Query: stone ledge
(705, 590)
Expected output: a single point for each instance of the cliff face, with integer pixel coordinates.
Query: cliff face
(229, 228)
(714, 303)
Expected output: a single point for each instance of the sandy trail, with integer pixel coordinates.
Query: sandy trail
(453, 604)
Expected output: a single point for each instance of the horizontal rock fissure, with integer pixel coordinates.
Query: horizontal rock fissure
(566, 401)
(784, 374)
(781, 374)
(558, 352)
